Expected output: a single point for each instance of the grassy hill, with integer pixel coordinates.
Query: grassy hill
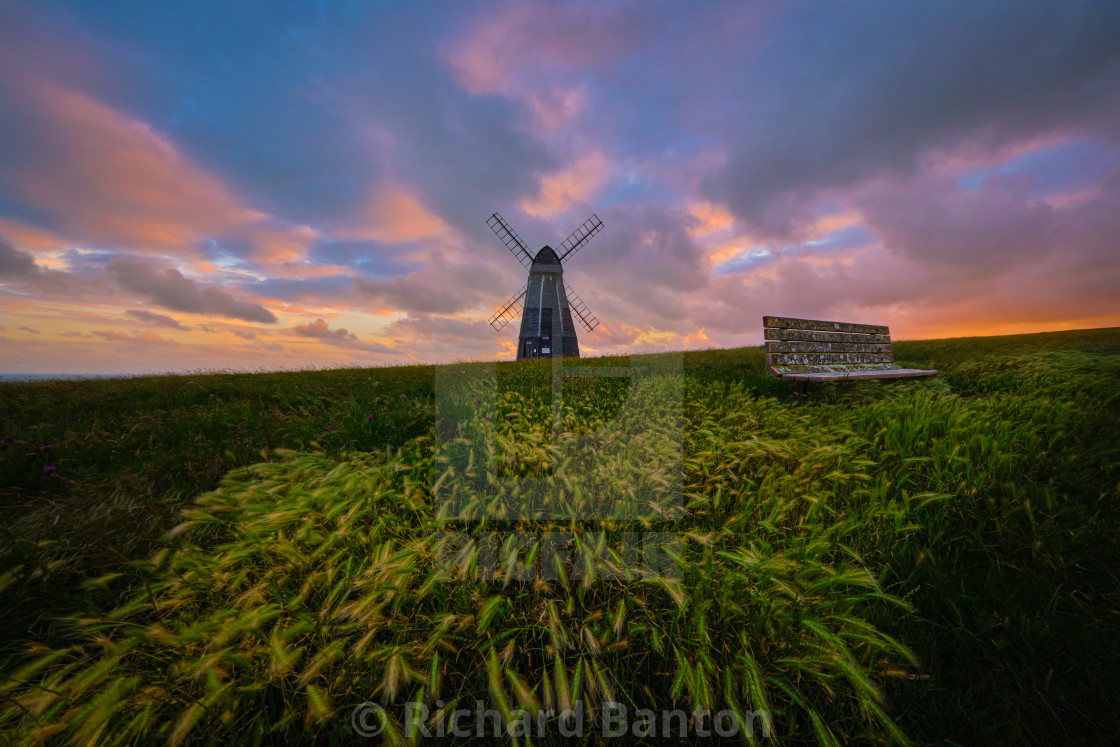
(933, 560)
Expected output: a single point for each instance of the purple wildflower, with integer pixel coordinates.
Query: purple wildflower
(369, 417)
(479, 400)
(7, 439)
(48, 447)
(486, 416)
(49, 468)
(329, 428)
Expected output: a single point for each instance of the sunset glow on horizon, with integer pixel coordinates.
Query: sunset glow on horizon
(284, 185)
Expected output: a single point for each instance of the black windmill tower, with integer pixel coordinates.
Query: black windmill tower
(547, 304)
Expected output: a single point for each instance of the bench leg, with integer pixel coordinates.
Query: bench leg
(802, 388)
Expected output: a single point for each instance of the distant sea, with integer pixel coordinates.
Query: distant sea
(48, 376)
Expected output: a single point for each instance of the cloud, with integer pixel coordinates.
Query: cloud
(29, 237)
(559, 191)
(173, 291)
(158, 320)
(428, 325)
(341, 337)
(495, 48)
(146, 338)
(29, 329)
(330, 289)
(430, 336)
(882, 88)
(22, 267)
(14, 262)
(281, 243)
(108, 177)
(979, 231)
(392, 215)
(440, 288)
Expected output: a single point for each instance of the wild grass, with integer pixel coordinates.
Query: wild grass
(926, 560)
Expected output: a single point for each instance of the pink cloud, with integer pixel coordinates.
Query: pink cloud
(392, 214)
(282, 245)
(341, 337)
(557, 108)
(110, 178)
(30, 237)
(577, 183)
(518, 36)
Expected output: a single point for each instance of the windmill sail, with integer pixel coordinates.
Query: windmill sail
(510, 238)
(579, 237)
(507, 313)
(579, 308)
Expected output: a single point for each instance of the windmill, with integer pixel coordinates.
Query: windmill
(548, 303)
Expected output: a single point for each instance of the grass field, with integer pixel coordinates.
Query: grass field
(247, 557)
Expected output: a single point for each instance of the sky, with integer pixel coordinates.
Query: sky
(269, 185)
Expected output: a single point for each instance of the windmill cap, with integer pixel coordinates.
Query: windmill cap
(546, 256)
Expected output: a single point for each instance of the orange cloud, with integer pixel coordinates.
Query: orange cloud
(113, 335)
(696, 337)
(833, 222)
(393, 215)
(24, 236)
(283, 244)
(112, 178)
(710, 218)
(558, 191)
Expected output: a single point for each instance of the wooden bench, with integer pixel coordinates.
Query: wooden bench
(805, 350)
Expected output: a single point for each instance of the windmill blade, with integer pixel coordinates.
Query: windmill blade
(508, 237)
(579, 308)
(579, 237)
(507, 313)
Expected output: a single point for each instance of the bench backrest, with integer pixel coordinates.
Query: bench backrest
(807, 345)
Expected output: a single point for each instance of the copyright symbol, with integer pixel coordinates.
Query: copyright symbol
(367, 720)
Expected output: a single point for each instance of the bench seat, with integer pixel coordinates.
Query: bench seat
(805, 350)
(873, 373)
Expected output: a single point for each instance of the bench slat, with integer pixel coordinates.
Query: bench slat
(773, 346)
(782, 322)
(807, 335)
(821, 359)
(886, 373)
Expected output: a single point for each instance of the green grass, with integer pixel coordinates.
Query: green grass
(929, 560)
